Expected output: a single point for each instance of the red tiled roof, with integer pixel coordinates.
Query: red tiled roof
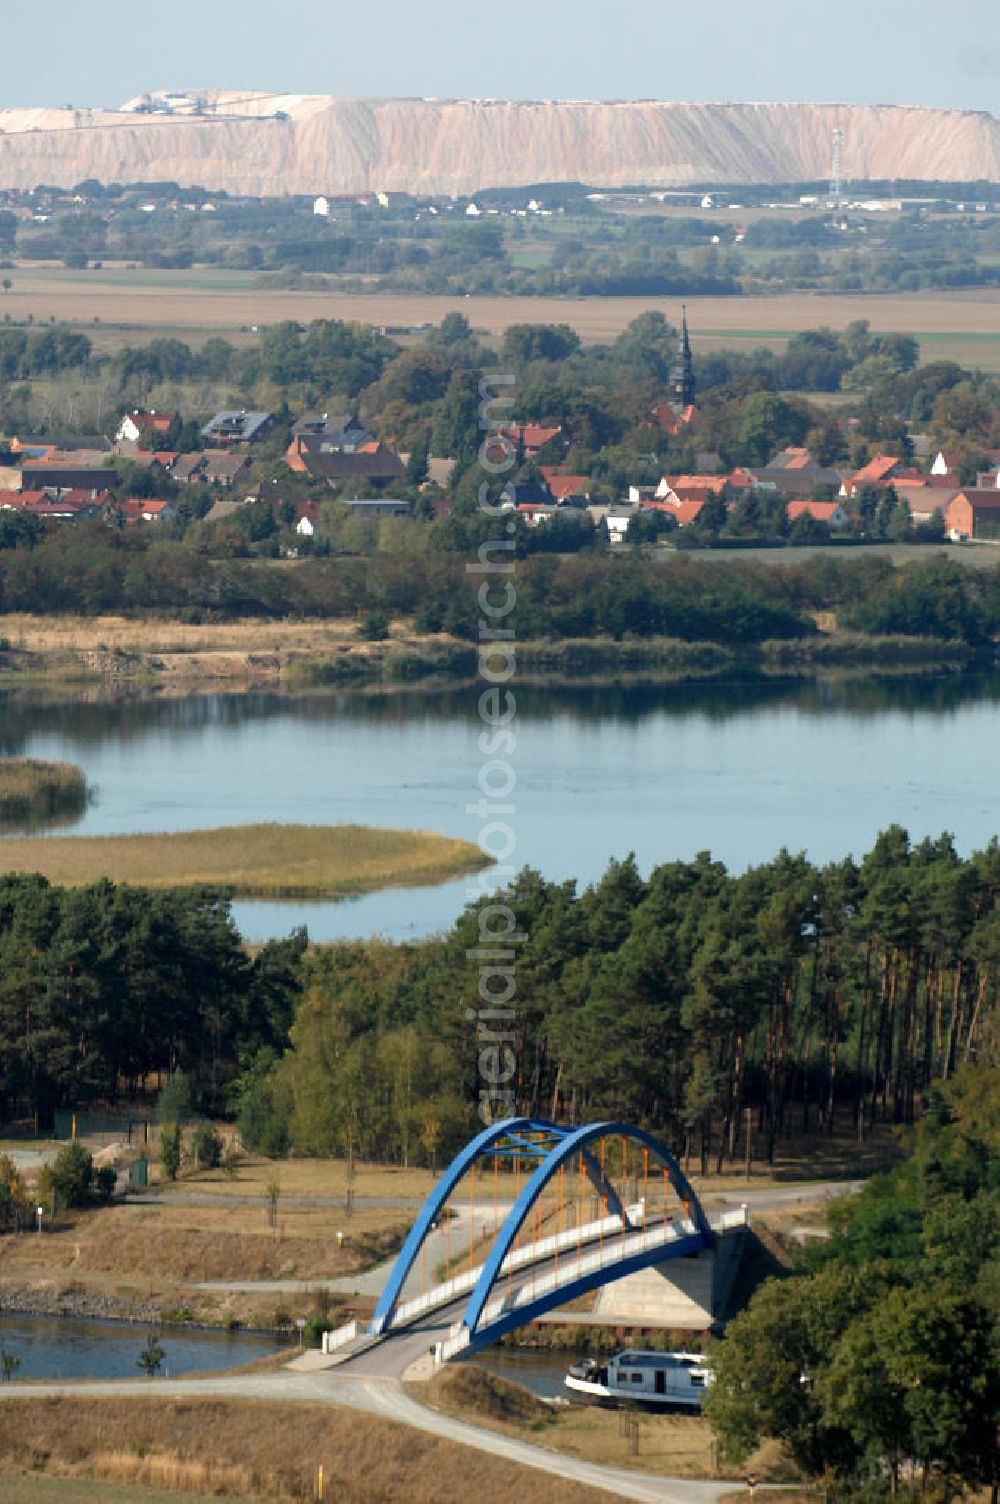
(710, 483)
(562, 486)
(157, 422)
(876, 471)
(535, 435)
(688, 511)
(17, 501)
(822, 511)
(77, 494)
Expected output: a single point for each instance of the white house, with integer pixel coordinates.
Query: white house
(305, 527)
(321, 205)
(616, 521)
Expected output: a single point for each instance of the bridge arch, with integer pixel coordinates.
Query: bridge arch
(572, 1143)
(530, 1137)
(550, 1146)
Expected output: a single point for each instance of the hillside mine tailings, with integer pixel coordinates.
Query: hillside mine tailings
(270, 144)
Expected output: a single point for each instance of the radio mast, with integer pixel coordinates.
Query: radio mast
(836, 181)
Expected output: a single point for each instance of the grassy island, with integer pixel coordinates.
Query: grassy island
(33, 792)
(252, 861)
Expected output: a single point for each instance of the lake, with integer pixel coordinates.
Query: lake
(665, 772)
(62, 1347)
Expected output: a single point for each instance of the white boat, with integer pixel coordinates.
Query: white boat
(648, 1378)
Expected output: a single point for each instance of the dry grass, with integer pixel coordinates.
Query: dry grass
(264, 1451)
(280, 861)
(167, 1246)
(32, 791)
(119, 634)
(307, 1177)
(38, 1489)
(677, 1445)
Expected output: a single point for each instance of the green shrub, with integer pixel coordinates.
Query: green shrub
(72, 1175)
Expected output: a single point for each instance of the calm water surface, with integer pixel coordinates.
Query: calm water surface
(739, 770)
(59, 1347)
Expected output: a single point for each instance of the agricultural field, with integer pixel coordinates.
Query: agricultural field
(120, 306)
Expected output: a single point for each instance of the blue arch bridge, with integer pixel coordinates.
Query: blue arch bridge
(549, 1213)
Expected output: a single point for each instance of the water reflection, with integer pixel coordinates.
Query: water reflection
(738, 768)
(51, 1347)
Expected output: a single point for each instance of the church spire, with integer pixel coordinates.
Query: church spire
(682, 388)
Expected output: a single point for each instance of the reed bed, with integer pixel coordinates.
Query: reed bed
(33, 792)
(251, 861)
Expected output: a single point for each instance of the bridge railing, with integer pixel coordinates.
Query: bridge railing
(585, 1263)
(531, 1253)
(332, 1340)
(660, 1236)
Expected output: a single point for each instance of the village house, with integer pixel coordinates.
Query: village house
(230, 427)
(138, 509)
(149, 459)
(307, 519)
(210, 467)
(878, 472)
(336, 432)
(71, 471)
(371, 462)
(46, 445)
(139, 427)
(969, 513)
(535, 512)
(616, 520)
(21, 501)
(830, 512)
(71, 507)
(794, 470)
(528, 439)
(562, 486)
(678, 488)
(923, 497)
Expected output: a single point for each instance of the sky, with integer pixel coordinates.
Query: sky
(864, 51)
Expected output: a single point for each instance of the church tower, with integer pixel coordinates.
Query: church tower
(682, 388)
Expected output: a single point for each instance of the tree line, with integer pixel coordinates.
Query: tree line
(91, 568)
(696, 1001)
(105, 986)
(876, 1363)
